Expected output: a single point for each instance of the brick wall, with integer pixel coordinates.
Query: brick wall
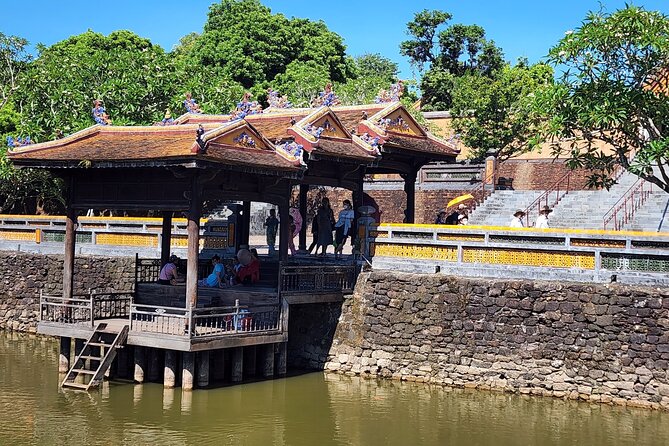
(540, 174)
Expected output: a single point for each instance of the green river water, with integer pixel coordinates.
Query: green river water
(312, 409)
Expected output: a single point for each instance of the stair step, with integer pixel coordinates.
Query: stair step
(84, 371)
(95, 358)
(75, 385)
(98, 344)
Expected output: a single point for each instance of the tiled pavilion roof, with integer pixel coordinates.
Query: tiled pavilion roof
(342, 134)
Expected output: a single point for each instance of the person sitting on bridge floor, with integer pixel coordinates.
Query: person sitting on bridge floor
(169, 274)
(542, 219)
(516, 221)
(215, 279)
(249, 272)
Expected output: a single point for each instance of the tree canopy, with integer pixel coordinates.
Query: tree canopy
(614, 93)
(251, 46)
(497, 115)
(449, 52)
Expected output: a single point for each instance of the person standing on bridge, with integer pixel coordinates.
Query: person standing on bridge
(271, 225)
(517, 220)
(542, 219)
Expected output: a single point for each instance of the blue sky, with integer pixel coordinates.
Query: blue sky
(525, 28)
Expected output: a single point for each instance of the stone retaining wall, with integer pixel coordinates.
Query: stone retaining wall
(598, 343)
(22, 276)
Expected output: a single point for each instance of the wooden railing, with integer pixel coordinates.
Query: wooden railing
(208, 322)
(550, 197)
(146, 270)
(315, 279)
(622, 212)
(84, 308)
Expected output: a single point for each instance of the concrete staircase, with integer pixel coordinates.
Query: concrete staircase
(498, 208)
(653, 215)
(581, 209)
(585, 209)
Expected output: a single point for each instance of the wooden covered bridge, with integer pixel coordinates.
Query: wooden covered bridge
(189, 331)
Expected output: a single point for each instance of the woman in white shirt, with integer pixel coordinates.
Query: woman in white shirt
(516, 221)
(542, 219)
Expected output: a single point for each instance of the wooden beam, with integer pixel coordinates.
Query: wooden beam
(284, 231)
(166, 238)
(304, 189)
(410, 191)
(193, 229)
(245, 223)
(68, 262)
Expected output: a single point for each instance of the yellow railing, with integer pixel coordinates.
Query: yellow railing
(581, 249)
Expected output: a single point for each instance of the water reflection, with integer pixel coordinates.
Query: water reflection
(312, 409)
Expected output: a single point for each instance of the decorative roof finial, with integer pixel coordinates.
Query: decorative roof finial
(327, 97)
(13, 143)
(100, 114)
(394, 94)
(191, 105)
(276, 101)
(245, 107)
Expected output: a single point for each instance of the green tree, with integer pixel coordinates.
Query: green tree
(13, 60)
(135, 79)
(301, 82)
(372, 72)
(449, 53)
(613, 92)
(497, 115)
(251, 46)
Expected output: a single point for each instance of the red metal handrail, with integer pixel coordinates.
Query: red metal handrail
(558, 190)
(624, 209)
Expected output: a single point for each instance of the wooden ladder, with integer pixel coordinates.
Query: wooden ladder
(95, 358)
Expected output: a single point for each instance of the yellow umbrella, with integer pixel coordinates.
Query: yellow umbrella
(460, 199)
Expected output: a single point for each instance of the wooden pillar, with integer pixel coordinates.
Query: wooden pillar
(122, 362)
(284, 231)
(140, 364)
(250, 354)
(246, 223)
(237, 364)
(218, 366)
(155, 361)
(193, 245)
(282, 358)
(78, 346)
(188, 370)
(166, 238)
(358, 195)
(68, 263)
(203, 369)
(304, 189)
(268, 361)
(170, 370)
(64, 357)
(410, 191)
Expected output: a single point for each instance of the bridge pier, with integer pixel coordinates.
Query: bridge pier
(140, 364)
(250, 353)
(203, 369)
(237, 373)
(188, 370)
(170, 369)
(218, 366)
(155, 360)
(64, 356)
(282, 358)
(268, 361)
